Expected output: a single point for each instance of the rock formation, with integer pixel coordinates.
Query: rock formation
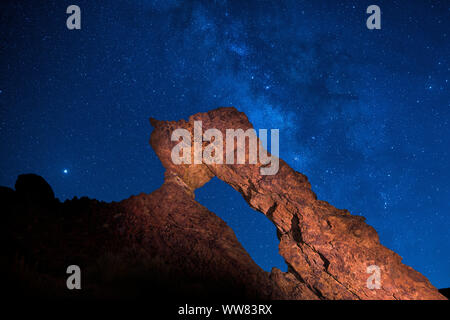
(166, 243)
(327, 250)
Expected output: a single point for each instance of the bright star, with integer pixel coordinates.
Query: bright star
(65, 171)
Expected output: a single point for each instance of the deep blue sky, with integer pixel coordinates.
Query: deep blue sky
(364, 113)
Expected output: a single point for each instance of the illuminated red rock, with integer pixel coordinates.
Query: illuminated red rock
(327, 250)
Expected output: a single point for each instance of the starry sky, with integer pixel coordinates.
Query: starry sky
(363, 113)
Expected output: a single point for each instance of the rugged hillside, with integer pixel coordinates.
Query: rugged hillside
(166, 243)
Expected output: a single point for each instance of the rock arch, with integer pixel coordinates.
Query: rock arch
(327, 250)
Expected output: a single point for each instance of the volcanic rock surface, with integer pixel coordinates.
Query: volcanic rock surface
(167, 244)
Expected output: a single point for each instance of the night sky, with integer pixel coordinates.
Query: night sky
(363, 113)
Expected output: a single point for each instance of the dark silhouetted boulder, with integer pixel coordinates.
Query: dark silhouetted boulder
(33, 188)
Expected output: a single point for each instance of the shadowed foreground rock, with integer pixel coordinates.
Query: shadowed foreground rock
(166, 244)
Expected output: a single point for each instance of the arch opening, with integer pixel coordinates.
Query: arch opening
(255, 232)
